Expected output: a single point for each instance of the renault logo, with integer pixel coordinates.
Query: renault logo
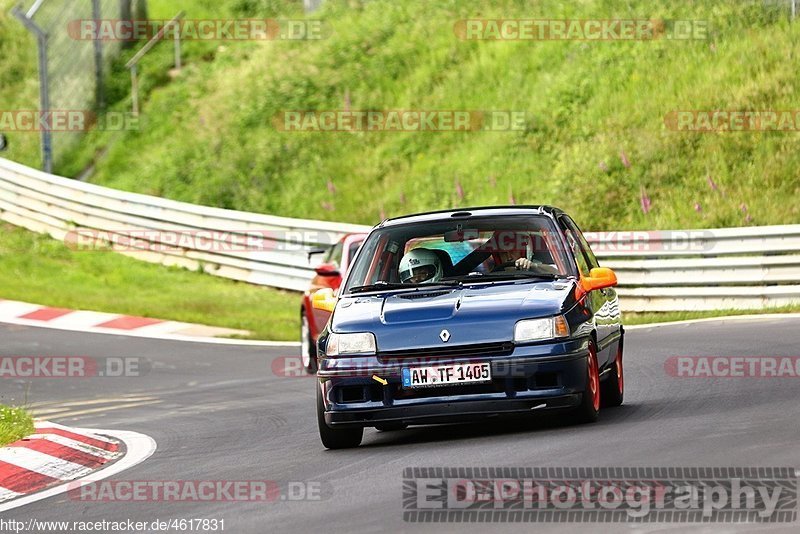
(444, 335)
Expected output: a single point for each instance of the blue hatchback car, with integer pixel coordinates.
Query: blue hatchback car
(459, 315)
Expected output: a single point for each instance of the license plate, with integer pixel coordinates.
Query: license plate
(443, 375)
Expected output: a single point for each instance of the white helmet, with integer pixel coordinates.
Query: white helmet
(420, 265)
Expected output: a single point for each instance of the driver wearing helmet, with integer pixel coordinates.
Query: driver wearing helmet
(420, 266)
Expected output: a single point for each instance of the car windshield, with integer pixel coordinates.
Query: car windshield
(449, 252)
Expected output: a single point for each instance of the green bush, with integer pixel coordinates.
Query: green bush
(15, 424)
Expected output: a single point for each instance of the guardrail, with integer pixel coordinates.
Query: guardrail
(743, 268)
(64, 208)
(731, 268)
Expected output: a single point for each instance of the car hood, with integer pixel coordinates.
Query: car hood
(473, 314)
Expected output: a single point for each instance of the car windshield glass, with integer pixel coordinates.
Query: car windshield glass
(476, 249)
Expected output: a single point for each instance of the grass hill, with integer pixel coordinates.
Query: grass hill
(594, 140)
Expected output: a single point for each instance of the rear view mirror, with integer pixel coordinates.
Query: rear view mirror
(599, 278)
(314, 251)
(327, 269)
(461, 235)
(324, 299)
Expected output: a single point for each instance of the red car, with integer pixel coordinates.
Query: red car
(329, 275)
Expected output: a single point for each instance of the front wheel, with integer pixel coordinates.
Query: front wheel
(336, 438)
(614, 386)
(589, 409)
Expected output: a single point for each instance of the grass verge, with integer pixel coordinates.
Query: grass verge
(15, 423)
(38, 269)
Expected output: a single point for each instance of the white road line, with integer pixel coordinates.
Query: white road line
(752, 317)
(42, 463)
(134, 333)
(77, 445)
(139, 447)
(228, 341)
(59, 404)
(164, 327)
(102, 409)
(6, 494)
(48, 424)
(42, 412)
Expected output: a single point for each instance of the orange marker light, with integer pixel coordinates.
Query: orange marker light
(561, 326)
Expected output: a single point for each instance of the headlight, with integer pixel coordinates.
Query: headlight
(361, 343)
(541, 329)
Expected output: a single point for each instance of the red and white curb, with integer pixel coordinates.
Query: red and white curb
(57, 458)
(25, 314)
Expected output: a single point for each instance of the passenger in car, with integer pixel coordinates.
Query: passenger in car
(420, 266)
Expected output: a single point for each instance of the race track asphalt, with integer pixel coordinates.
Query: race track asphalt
(221, 413)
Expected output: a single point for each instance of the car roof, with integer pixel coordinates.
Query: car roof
(354, 236)
(481, 211)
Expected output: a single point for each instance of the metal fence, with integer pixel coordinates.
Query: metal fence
(312, 5)
(71, 71)
(793, 6)
(732, 268)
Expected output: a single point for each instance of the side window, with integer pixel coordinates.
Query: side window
(584, 256)
(353, 249)
(334, 254)
(587, 250)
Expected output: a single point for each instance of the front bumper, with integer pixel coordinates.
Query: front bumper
(531, 378)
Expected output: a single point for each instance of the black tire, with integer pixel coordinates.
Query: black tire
(390, 427)
(336, 438)
(613, 389)
(308, 349)
(589, 409)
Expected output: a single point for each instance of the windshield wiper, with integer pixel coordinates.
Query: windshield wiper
(391, 286)
(522, 276)
(378, 286)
